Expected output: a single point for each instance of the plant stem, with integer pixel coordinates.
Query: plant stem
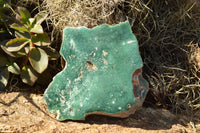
(27, 56)
(26, 59)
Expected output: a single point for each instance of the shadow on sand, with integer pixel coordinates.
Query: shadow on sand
(145, 118)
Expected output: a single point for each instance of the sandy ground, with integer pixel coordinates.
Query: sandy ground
(26, 112)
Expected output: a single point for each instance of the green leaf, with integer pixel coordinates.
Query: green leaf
(22, 34)
(24, 15)
(3, 61)
(19, 53)
(38, 59)
(14, 68)
(17, 17)
(51, 52)
(18, 27)
(27, 49)
(41, 39)
(37, 29)
(4, 76)
(31, 20)
(16, 44)
(40, 17)
(29, 75)
(4, 34)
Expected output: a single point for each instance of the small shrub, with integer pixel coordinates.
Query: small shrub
(28, 54)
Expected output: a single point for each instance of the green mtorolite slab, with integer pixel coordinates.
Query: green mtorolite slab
(102, 74)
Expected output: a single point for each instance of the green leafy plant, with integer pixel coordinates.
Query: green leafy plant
(30, 52)
(4, 74)
(5, 19)
(4, 5)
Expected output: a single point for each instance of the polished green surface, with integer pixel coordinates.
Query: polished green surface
(98, 72)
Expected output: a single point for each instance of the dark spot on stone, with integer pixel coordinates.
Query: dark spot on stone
(70, 109)
(90, 63)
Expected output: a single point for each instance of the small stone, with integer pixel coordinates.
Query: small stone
(102, 75)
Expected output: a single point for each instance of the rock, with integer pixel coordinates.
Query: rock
(102, 75)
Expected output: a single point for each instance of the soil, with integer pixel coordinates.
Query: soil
(27, 112)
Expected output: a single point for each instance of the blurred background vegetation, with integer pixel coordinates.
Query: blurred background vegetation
(168, 32)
